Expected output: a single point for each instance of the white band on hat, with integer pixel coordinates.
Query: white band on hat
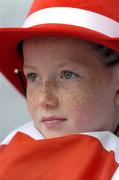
(76, 17)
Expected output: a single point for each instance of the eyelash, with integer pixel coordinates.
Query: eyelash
(33, 76)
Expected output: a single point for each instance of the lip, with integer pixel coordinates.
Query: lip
(51, 118)
(52, 121)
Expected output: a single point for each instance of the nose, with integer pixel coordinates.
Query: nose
(48, 98)
(49, 102)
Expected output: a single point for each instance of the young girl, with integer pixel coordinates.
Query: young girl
(71, 65)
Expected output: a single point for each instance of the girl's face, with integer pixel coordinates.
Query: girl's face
(69, 90)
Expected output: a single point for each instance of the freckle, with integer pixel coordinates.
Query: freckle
(33, 98)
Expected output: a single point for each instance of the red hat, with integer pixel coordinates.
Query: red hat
(95, 21)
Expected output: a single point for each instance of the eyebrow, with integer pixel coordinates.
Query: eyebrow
(29, 67)
(63, 64)
(58, 65)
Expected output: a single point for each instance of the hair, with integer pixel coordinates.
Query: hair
(108, 56)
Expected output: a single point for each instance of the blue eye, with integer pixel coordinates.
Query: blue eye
(32, 77)
(68, 75)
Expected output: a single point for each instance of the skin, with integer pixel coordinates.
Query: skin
(86, 98)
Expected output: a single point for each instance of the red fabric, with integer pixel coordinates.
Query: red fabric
(108, 8)
(73, 157)
(2, 147)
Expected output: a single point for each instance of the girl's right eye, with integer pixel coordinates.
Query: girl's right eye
(32, 77)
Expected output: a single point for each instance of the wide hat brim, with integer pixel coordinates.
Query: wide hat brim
(10, 58)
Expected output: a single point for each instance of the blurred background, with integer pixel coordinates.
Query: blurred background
(13, 109)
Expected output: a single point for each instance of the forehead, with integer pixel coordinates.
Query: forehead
(52, 41)
(59, 48)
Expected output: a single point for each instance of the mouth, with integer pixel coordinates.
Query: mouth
(52, 121)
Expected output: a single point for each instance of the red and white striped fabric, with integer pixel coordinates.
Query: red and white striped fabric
(83, 15)
(25, 154)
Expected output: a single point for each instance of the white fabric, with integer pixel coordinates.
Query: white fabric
(76, 17)
(108, 140)
(116, 175)
(28, 129)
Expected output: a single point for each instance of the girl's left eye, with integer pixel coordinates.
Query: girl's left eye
(69, 75)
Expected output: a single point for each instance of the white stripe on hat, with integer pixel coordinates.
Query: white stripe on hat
(76, 17)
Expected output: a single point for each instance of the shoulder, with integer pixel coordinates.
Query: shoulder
(109, 141)
(28, 129)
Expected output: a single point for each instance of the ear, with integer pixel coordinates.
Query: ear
(117, 97)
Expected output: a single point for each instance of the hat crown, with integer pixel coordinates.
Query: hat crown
(108, 8)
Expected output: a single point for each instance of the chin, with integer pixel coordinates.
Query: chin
(55, 134)
(52, 135)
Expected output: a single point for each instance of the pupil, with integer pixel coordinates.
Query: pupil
(67, 75)
(33, 76)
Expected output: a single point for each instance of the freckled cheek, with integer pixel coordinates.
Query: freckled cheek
(32, 99)
(74, 100)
